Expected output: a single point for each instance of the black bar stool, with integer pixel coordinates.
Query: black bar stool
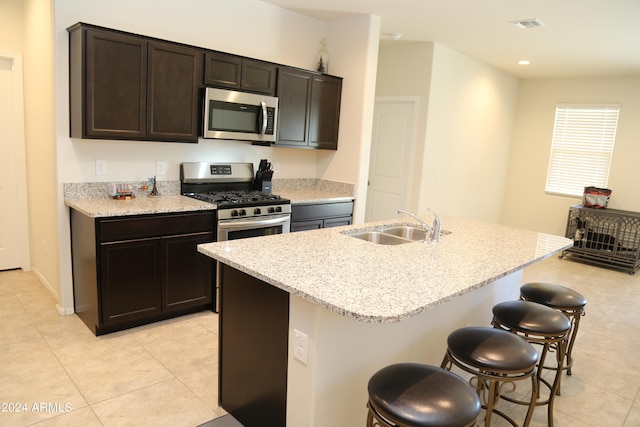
(568, 301)
(494, 358)
(539, 325)
(417, 395)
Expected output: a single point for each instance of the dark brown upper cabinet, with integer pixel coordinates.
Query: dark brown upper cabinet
(324, 114)
(238, 73)
(124, 86)
(309, 109)
(294, 92)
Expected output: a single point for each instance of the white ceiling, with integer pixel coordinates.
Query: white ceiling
(579, 37)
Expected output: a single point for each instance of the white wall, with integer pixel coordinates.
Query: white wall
(404, 69)
(11, 24)
(525, 204)
(353, 56)
(467, 126)
(249, 28)
(25, 27)
(41, 151)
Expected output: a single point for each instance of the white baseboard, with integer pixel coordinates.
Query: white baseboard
(62, 311)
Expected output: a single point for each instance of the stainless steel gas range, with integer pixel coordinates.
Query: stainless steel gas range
(242, 211)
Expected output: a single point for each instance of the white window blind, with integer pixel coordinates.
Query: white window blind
(581, 148)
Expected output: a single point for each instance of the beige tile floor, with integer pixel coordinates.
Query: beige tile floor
(164, 374)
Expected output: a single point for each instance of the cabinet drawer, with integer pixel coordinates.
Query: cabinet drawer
(321, 211)
(128, 228)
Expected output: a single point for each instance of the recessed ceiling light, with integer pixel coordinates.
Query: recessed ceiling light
(524, 62)
(527, 23)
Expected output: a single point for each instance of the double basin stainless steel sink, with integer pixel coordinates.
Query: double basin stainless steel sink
(394, 235)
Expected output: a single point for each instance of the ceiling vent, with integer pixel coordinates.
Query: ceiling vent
(527, 23)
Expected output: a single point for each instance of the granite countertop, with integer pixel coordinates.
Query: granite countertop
(141, 205)
(307, 196)
(379, 283)
(304, 191)
(93, 199)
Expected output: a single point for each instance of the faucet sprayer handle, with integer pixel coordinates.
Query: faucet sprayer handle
(437, 225)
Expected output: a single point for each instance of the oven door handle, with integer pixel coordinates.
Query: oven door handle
(253, 223)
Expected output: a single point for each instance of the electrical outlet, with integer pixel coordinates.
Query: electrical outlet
(161, 168)
(101, 167)
(300, 346)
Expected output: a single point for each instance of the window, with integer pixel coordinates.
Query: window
(581, 148)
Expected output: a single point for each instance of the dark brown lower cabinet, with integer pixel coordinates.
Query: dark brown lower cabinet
(182, 267)
(128, 271)
(253, 349)
(313, 216)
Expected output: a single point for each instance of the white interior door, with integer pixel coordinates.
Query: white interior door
(9, 217)
(390, 165)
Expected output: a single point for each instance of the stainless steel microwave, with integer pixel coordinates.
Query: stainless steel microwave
(240, 116)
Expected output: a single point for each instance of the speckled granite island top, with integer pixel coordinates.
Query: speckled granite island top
(379, 283)
(142, 205)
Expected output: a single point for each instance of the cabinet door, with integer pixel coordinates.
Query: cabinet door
(324, 114)
(115, 86)
(130, 273)
(188, 274)
(222, 69)
(258, 77)
(306, 225)
(337, 222)
(294, 91)
(175, 73)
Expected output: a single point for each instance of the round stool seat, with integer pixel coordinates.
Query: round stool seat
(491, 349)
(566, 300)
(552, 295)
(540, 325)
(493, 357)
(531, 317)
(417, 395)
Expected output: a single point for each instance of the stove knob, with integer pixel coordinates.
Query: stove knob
(278, 208)
(234, 213)
(242, 212)
(256, 211)
(272, 210)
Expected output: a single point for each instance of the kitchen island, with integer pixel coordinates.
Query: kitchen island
(306, 318)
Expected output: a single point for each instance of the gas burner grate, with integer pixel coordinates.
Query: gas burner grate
(238, 198)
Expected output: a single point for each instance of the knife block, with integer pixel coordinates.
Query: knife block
(262, 183)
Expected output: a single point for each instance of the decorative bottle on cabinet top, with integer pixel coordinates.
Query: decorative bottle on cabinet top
(323, 56)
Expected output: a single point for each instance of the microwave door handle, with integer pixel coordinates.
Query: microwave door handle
(263, 129)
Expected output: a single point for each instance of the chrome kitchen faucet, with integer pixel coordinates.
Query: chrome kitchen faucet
(433, 233)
